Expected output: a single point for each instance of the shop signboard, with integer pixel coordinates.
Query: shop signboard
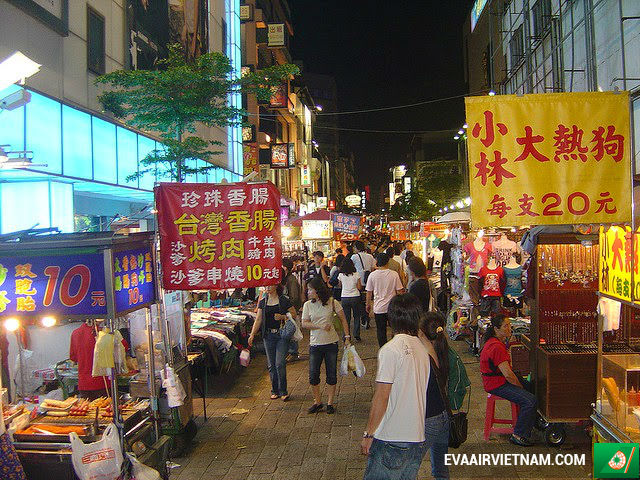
(69, 284)
(276, 35)
(400, 231)
(617, 256)
(250, 157)
(246, 13)
(316, 229)
(305, 176)
(353, 200)
(561, 158)
(349, 224)
(248, 133)
(279, 96)
(134, 283)
(284, 215)
(148, 33)
(291, 150)
(345, 237)
(427, 228)
(218, 236)
(280, 155)
(322, 202)
(331, 205)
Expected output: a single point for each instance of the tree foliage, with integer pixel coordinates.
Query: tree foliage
(182, 94)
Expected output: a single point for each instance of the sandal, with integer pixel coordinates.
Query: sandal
(315, 408)
(285, 398)
(274, 396)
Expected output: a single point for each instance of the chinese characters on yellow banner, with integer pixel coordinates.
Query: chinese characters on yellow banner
(219, 236)
(618, 256)
(549, 158)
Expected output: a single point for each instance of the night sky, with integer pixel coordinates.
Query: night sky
(385, 53)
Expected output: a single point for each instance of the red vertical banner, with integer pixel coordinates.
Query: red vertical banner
(218, 236)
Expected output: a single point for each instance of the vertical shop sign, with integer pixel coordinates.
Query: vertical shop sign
(219, 236)
(617, 258)
(251, 158)
(561, 158)
(134, 283)
(305, 176)
(55, 284)
(276, 35)
(291, 150)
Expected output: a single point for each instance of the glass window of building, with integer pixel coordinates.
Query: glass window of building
(95, 42)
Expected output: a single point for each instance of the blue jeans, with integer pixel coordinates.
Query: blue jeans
(276, 349)
(328, 353)
(352, 307)
(436, 440)
(394, 460)
(293, 347)
(527, 403)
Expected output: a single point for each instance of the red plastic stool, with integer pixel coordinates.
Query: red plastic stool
(490, 418)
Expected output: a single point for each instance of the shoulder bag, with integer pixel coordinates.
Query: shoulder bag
(335, 318)
(458, 422)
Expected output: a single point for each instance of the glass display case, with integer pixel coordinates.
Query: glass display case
(618, 399)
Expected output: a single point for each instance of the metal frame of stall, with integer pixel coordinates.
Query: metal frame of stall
(95, 243)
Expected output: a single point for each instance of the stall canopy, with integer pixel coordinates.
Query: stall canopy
(455, 217)
(317, 215)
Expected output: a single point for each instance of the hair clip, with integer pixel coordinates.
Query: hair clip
(439, 330)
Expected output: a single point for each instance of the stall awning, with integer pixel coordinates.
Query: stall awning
(317, 215)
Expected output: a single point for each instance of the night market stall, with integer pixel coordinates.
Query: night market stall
(65, 296)
(521, 153)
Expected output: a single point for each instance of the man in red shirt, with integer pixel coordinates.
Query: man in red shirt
(498, 378)
(83, 342)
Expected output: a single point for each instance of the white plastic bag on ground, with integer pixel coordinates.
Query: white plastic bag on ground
(351, 362)
(139, 471)
(101, 460)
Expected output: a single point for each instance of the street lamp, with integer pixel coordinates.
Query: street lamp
(460, 132)
(492, 93)
(16, 68)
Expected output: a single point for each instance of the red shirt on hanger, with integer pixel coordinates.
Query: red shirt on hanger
(493, 282)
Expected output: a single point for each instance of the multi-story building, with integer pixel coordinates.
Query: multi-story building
(527, 46)
(279, 143)
(82, 157)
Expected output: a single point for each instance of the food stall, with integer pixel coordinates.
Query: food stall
(51, 285)
(616, 414)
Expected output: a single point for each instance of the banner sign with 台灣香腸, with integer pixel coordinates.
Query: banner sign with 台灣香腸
(218, 236)
(555, 158)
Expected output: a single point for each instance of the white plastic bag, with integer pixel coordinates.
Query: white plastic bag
(297, 336)
(101, 460)
(139, 471)
(351, 362)
(245, 357)
(173, 386)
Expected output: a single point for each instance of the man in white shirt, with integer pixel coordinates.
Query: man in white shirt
(395, 433)
(365, 264)
(383, 284)
(408, 245)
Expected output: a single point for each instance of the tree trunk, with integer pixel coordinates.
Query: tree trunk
(179, 161)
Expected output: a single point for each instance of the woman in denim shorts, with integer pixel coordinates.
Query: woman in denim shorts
(317, 316)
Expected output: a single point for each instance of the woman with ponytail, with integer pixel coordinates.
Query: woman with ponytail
(498, 378)
(434, 337)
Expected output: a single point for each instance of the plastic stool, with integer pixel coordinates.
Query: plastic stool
(490, 418)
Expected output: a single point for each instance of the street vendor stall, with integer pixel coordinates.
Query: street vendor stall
(53, 284)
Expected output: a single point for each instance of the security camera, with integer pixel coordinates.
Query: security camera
(15, 100)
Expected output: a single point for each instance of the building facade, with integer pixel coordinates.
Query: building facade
(279, 142)
(527, 46)
(82, 157)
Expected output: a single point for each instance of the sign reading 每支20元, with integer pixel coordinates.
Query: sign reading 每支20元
(555, 158)
(218, 236)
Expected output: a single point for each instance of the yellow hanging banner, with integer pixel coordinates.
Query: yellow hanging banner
(553, 158)
(617, 257)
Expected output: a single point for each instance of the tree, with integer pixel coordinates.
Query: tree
(180, 95)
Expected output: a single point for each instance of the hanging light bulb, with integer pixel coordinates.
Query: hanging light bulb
(48, 321)
(11, 324)
(480, 233)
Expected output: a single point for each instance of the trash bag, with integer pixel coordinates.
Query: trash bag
(351, 362)
(173, 386)
(139, 471)
(101, 460)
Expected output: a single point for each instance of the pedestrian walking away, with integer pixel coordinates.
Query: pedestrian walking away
(365, 264)
(420, 285)
(351, 287)
(499, 379)
(293, 291)
(317, 316)
(395, 434)
(436, 426)
(272, 313)
(382, 285)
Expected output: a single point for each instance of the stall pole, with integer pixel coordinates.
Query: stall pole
(21, 363)
(111, 316)
(153, 396)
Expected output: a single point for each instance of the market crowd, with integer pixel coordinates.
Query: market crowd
(419, 378)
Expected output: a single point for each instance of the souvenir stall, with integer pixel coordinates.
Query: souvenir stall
(65, 296)
(616, 416)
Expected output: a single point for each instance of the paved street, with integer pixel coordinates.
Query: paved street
(249, 436)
